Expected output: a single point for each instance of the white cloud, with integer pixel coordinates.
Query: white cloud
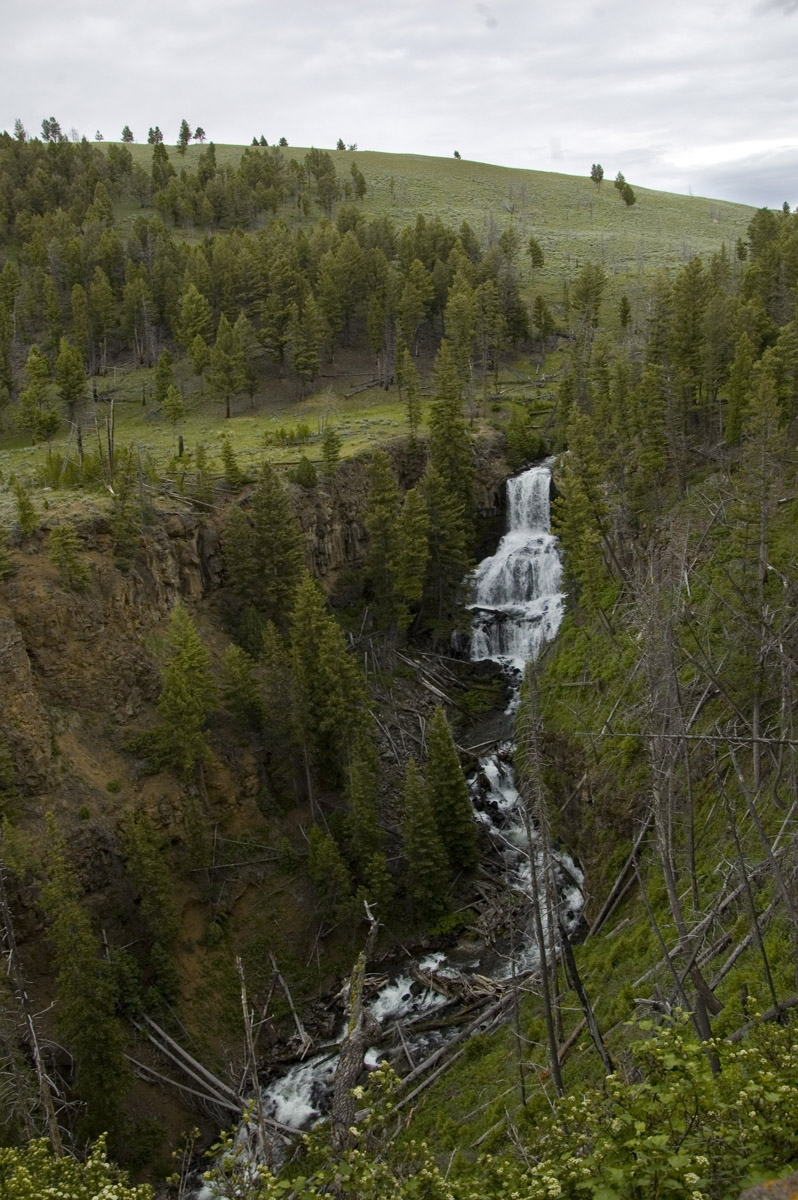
(674, 95)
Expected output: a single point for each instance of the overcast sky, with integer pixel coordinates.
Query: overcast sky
(684, 95)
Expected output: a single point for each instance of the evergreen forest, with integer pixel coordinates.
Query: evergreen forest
(258, 408)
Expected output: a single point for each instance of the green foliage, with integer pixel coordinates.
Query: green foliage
(427, 861)
(328, 688)
(70, 377)
(31, 1172)
(27, 517)
(85, 1013)
(187, 695)
(364, 836)
(448, 560)
(448, 796)
(331, 451)
(148, 869)
(240, 689)
(7, 567)
(263, 550)
(233, 476)
(125, 517)
(65, 551)
(328, 871)
(305, 473)
(524, 443)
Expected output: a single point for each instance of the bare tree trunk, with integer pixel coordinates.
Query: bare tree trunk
(361, 1028)
(9, 945)
(264, 1141)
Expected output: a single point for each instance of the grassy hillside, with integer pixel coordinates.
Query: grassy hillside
(572, 219)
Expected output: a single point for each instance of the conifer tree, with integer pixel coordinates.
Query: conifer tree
(80, 321)
(70, 376)
(241, 693)
(232, 472)
(250, 632)
(147, 869)
(246, 348)
(195, 317)
(450, 448)
(34, 413)
(328, 871)
(173, 406)
(65, 551)
(84, 995)
(427, 863)
(125, 516)
(27, 517)
(413, 550)
(382, 556)
(238, 551)
(328, 689)
(741, 374)
(277, 547)
(331, 451)
(365, 838)
(305, 335)
(379, 885)
(409, 382)
(164, 375)
(448, 795)
(187, 695)
(277, 689)
(6, 563)
(448, 562)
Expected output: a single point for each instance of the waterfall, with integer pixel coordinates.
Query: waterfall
(517, 606)
(517, 603)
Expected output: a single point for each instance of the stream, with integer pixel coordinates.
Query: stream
(517, 607)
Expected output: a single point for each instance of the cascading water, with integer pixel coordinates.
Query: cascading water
(517, 606)
(517, 603)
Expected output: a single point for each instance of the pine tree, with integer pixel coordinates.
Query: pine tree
(250, 632)
(195, 317)
(238, 551)
(164, 375)
(34, 413)
(365, 838)
(65, 551)
(329, 692)
(427, 863)
(232, 472)
(241, 693)
(409, 382)
(84, 995)
(27, 517)
(328, 871)
(278, 548)
(448, 795)
(379, 886)
(184, 136)
(70, 376)
(448, 562)
(413, 550)
(7, 567)
(382, 556)
(331, 451)
(450, 449)
(741, 374)
(187, 696)
(174, 406)
(125, 516)
(147, 869)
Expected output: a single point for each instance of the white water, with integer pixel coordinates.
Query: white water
(517, 603)
(517, 606)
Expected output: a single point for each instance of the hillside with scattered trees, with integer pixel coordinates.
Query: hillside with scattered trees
(254, 430)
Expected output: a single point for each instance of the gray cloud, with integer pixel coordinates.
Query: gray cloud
(676, 96)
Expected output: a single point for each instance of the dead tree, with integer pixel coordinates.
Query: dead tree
(361, 1029)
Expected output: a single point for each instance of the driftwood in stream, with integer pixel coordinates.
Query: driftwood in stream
(456, 987)
(362, 1028)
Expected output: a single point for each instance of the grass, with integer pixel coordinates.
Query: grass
(574, 222)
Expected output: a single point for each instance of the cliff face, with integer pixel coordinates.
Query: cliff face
(67, 656)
